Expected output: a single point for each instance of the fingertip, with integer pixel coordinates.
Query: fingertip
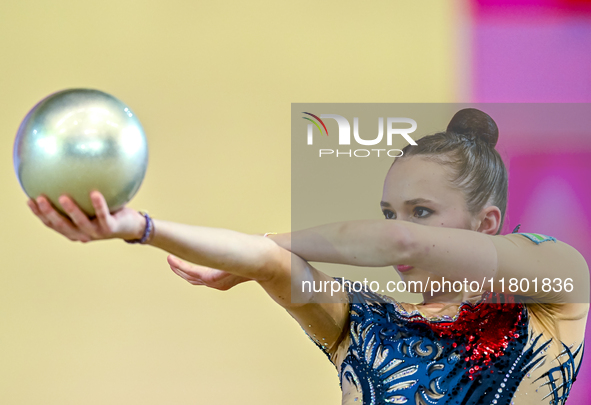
(95, 199)
(96, 195)
(33, 206)
(43, 202)
(64, 200)
(172, 260)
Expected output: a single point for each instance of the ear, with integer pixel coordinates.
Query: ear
(489, 220)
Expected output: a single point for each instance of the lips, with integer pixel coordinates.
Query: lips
(404, 267)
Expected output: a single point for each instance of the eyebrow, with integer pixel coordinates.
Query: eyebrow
(414, 201)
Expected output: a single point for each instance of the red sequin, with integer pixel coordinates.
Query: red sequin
(483, 331)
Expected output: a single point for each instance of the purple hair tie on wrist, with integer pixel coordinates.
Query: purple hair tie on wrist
(147, 231)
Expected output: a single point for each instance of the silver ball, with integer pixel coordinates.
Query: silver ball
(78, 140)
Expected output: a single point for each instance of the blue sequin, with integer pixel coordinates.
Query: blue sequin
(393, 360)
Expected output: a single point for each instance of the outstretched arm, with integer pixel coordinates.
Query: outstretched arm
(456, 254)
(216, 253)
(370, 243)
(249, 256)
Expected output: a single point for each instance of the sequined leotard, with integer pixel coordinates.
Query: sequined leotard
(480, 356)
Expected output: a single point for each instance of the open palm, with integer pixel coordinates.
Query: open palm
(202, 275)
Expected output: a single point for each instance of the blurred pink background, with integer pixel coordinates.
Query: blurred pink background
(540, 52)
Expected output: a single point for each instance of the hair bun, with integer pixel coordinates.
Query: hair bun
(474, 123)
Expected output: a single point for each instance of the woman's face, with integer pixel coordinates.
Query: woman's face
(419, 190)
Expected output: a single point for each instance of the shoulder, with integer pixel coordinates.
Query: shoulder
(536, 238)
(539, 243)
(546, 268)
(543, 247)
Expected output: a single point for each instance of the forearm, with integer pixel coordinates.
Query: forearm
(237, 253)
(371, 243)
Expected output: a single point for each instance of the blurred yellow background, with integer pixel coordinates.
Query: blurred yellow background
(212, 83)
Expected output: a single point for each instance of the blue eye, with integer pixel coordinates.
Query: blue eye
(389, 214)
(422, 212)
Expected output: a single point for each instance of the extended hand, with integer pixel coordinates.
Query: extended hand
(125, 223)
(202, 275)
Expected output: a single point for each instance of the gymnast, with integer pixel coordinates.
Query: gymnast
(444, 202)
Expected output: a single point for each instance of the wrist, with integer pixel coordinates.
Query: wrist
(139, 226)
(143, 230)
